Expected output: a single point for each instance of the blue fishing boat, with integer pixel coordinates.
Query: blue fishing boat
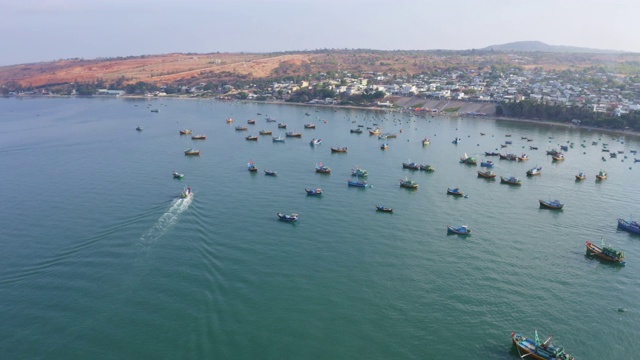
(630, 226)
(551, 204)
(251, 166)
(384, 208)
(487, 164)
(537, 349)
(460, 229)
(288, 217)
(270, 173)
(357, 183)
(454, 192)
(314, 192)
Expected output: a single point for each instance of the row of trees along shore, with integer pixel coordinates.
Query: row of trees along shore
(528, 109)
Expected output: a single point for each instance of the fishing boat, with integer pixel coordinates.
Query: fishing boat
(186, 193)
(277, 139)
(288, 217)
(630, 226)
(511, 157)
(408, 184)
(558, 157)
(229, 120)
(293, 134)
(192, 152)
(155, 110)
(553, 152)
(315, 142)
(139, 128)
(314, 192)
(384, 146)
(523, 157)
(487, 164)
(636, 160)
(252, 137)
(457, 140)
(270, 119)
(508, 142)
(460, 229)
(425, 167)
(510, 180)
(251, 166)
(322, 169)
(468, 160)
(534, 171)
(384, 208)
(454, 192)
(376, 131)
(309, 126)
(613, 155)
(533, 148)
(241, 128)
(551, 204)
(270, 173)
(411, 166)
(265, 132)
(538, 350)
(581, 175)
(602, 175)
(486, 174)
(426, 141)
(357, 183)
(186, 132)
(282, 126)
(606, 252)
(359, 172)
(356, 131)
(199, 137)
(251, 122)
(339, 149)
(491, 153)
(177, 175)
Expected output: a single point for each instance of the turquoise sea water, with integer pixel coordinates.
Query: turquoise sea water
(100, 259)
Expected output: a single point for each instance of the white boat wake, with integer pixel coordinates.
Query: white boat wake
(166, 221)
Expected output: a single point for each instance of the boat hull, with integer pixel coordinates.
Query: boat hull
(628, 226)
(594, 250)
(551, 205)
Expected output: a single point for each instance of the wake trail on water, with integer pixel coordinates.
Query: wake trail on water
(165, 222)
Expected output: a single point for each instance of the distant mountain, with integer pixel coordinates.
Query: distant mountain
(542, 47)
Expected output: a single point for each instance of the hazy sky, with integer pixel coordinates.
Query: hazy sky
(44, 30)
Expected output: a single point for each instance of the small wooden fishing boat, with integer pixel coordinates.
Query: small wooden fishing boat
(270, 119)
(384, 146)
(533, 148)
(376, 131)
(322, 169)
(425, 167)
(426, 141)
(605, 252)
(252, 137)
(359, 172)
(510, 180)
(241, 128)
(315, 142)
(551, 204)
(314, 192)
(408, 184)
(229, 120)
(293, 134)
(199, 137)
(523, 157)
(538, 350)
(277, 139)
(491, 153)
(186, 132)
(309, 126)
(630, 226)
(282, 126)
(411, 166)
(251, 122)
(558, 157)
(384, 208)
(251, 166)
(356, 131)
(270, 173)
(139, 128)
(288, 217)
(487, 174)
(581, 175)
(460, 229)
(192, 152)
(177, 175)
(339, 149)
(534, 171)
(602, 175)
(265, 132)
(454, 192)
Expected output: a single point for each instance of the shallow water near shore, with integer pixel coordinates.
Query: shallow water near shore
(101, 259)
